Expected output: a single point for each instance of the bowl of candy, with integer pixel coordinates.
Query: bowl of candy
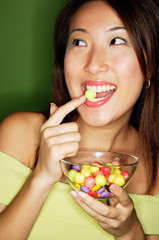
(93, 172)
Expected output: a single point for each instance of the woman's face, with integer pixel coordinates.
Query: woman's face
(101, 58)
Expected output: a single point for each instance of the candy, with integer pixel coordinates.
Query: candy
(126, 175)
(95, 179)
(100, 180)
(71, 175)
(111, 178)
(105, 170)
(76, 167)
(92, 194)
(119, 180)
(86, 172)
(101, 190)
(117, 172)
(98, 173)
(94, 169)
(78, 186)
(105, 194)
(89, 94)
(89, 182)
(96, 188)
(79, 178)
(84, 189)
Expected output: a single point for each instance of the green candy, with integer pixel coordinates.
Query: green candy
(89, 94)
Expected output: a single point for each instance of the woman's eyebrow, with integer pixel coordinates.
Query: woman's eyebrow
(117, 28)
(112, 29)
(78, 30)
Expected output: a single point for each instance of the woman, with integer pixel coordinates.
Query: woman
(110, 45)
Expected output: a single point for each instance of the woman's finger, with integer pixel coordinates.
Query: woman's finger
(63, 128)
(62, 111)
(121, 195)
(95, 208)
(65, 137)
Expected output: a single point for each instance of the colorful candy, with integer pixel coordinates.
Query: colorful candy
(89, 94)
(95, 179)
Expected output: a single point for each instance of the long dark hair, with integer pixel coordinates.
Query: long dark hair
(141, 19)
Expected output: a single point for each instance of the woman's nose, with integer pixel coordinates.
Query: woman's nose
(96, 62)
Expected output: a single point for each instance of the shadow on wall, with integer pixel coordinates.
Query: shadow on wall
(26, 59)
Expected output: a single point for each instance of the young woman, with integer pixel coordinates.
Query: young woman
(111, 45)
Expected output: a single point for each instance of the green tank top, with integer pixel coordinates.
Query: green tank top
(61, 218)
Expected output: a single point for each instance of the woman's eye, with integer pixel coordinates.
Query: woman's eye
(118, 40)
(78, 42)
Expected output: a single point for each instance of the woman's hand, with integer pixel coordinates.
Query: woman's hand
(118, 219)
(57, 141)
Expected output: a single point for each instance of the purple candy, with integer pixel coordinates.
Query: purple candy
(105, 194)
(76, 167)
(101, 190)
(84, 189)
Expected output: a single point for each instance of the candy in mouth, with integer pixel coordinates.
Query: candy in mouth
(90, 94)
(98, 93)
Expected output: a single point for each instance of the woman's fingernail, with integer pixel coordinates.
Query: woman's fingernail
(53, 103)
(82, 195)
(73, 194)
(82, 98)
(114, 188)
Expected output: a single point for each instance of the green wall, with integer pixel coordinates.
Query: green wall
(26, 54)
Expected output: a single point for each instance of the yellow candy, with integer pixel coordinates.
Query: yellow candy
(96, 188)
(79, 178)
(77, 186)
(119, 180)
(117, 172)
(94, 169)
(111, 178)
(86, 172)
(89, 94)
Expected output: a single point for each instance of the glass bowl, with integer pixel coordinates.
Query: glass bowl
(93, 172)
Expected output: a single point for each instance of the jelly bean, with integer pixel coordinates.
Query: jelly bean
(84, 189)
(85, 166)
(106, 170)
(86, 172)
(89, 182)
(100, 180)
(111, 178)
(101, 190)
(126, 175)
(78, 186)
(105, 194)
(76, 167)
(119, 180)
(98, 173)
(94, 169)
(79, 177)
(92, 193)
(89, 94)
(71, 175)
(96, 188)
(117, 172)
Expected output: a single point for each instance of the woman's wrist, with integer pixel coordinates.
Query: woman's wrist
(41, 180)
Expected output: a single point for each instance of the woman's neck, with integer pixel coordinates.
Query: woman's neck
(122, 137)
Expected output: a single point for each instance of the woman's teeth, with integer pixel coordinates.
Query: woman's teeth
(92, 92)
(102, 88)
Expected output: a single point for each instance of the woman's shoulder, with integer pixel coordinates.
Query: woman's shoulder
(20, 136)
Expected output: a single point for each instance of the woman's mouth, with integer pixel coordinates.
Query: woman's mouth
(103, 92)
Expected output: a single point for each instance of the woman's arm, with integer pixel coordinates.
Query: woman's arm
(56, 141)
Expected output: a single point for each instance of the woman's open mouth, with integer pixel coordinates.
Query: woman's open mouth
(100, 91)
